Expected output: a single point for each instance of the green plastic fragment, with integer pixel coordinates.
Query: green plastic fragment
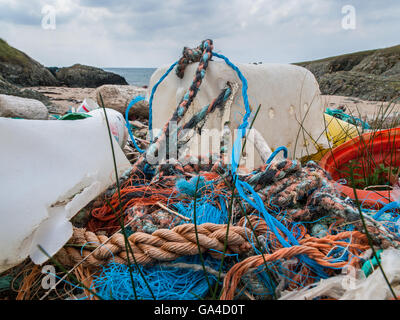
(75, 116)
(370, 265)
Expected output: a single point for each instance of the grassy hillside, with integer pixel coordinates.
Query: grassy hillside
(355, 55)
(370, 75)
(9, 54)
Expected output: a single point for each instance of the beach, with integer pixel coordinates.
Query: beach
(63, 98)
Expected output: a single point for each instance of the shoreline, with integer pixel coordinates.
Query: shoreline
(64, 97)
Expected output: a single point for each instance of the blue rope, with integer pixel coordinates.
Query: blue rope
(153, 91)
(389, 206)
(167, 283)
(237, 146)
(258, 204)
(345, 117)
(273, 155)
(131, 104)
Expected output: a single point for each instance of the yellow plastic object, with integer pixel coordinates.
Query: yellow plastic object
(339, 131)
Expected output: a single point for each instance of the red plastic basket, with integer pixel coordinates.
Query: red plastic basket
(369, 150)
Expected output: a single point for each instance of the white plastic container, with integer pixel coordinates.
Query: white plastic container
(116, 122)
(291, 113)
(49, 171)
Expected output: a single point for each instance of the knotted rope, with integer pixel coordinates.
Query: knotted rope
(307, 193)
(162, 245)
(189, 56)
(207, 47)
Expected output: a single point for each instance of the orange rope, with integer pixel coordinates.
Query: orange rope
(317, 249)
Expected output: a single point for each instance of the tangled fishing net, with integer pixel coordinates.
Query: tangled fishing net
(197, 229)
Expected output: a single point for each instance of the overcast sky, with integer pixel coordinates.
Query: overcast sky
(150, 33)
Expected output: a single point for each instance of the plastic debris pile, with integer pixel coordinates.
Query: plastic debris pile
(198, 229)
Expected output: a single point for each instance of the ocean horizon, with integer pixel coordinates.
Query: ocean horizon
(134, 76)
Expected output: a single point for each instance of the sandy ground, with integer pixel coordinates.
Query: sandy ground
(64, 98)
(361, 108)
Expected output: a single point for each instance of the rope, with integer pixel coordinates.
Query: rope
(128, 126)
(275, 153)
(302, 194)
(237, 146)
(338, 113)
(316, 249)
(153, 91)
(162, 245)
(182, 107)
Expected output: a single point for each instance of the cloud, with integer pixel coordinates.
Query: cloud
(153, 32)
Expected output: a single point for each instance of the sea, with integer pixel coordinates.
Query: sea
(134, 76)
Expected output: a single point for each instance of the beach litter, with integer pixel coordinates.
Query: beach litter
(50, 170)
(290, 114)
(202, 227)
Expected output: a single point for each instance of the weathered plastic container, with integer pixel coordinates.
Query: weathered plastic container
(49, 171)
(291, 113)
(340, 131)
(116, 122)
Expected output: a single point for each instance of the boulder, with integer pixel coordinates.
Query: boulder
(118, 98)
(19, 69)
(17, 107)
(13, 90)
(80, 76)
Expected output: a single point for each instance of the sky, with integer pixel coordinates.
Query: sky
(151, 33)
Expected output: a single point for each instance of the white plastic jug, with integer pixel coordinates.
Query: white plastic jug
(116, 122)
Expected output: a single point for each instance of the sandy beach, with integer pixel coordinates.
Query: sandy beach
(63, 98)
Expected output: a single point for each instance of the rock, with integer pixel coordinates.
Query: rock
(80, 76)
(377, 63)
(19, 69)
(13, 90)
(118, 98)
(395, 71)
(17, 107)
(361, 85)
(371, 75)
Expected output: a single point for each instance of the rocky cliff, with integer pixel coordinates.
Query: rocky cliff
(369, 75)
(19, 69)
(87, 77)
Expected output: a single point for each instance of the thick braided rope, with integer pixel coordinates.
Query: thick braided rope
(183, 106)
(315, 248)
(285, 183)
(188, 56)
(162, 245)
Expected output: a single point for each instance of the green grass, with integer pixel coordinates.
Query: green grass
(11, 55)
(355, 55)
